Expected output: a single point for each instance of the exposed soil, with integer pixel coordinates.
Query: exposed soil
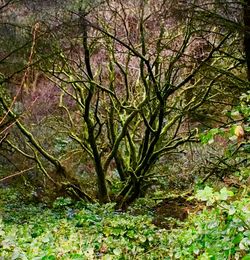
(174, 209)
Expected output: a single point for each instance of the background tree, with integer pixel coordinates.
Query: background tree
(126, 86)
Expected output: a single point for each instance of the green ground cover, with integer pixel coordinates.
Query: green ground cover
(83, 231)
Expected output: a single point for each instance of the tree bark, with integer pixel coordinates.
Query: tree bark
(101, 173)
(246, 18)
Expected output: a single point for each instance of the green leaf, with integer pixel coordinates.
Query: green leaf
(209, 136)
(244, 244)
(237, 239)
(131, 233)
(205, 194)
(50, 257)
(225, 193)
(76, 256)
(107, 257)
(231, 210)
(117, 251)
(142, 238)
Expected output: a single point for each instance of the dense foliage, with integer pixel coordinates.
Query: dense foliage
(91, 231)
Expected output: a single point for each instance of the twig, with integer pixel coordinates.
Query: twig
(16, 174)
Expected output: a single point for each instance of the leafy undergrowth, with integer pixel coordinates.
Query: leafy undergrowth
(82, 231)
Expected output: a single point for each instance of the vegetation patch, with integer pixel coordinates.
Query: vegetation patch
(90, 231)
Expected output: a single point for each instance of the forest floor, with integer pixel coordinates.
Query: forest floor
(209, 225)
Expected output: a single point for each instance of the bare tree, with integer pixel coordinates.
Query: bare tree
(129, 77)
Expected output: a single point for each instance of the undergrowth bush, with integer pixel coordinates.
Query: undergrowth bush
(71, 230)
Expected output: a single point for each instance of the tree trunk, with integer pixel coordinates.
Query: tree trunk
(246, 17)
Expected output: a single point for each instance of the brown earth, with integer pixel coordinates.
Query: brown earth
(174, 209)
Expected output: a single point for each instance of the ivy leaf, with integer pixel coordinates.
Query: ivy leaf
(237, 239)
(50, 257)
(244, 244)
(209, 136)
(117, 251)
(107, 257)
(131, 233)
(224, 194)
(206, 194)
